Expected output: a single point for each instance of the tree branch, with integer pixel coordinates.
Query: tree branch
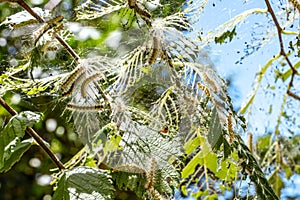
(41, 20)
(291, 94)
(36, 137)
(282, 51)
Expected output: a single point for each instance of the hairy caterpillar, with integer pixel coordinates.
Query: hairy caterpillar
(230, 129)
(155, 194)
(204, 88)
(68, 92)
(84, 108)
(145, 15)
(73, 77)
(130, 168)
(86, 83)
(210, 82)
(155, 50)
(295, 3)
(131, 3)
(250, 138)
(45, 27)
(151, 174)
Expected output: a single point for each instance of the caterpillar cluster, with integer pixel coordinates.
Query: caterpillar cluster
(71, 80)
(78, 78)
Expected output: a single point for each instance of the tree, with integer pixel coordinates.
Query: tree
(153, 114)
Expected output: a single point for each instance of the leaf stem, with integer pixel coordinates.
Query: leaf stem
(36, 137)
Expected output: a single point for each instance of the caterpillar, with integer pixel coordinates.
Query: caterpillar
(74, 75)
(45, 27)
(86, 83)
(84, 108)
(142, 12)
(250, 138)
(155, 50)
(151, 174)
(130, 168)
(131, 3)
(230, 129)
(204, 88)
(155, 194)
(69, 91)
(210, 82)
(145, 15)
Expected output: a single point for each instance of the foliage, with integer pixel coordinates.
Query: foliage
(153, 114)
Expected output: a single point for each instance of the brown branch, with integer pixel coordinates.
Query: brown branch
(41, 20)
(282, 51)
(291, 94)
(36, 137)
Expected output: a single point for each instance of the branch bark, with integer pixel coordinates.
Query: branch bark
(35, 136)
(41, 20)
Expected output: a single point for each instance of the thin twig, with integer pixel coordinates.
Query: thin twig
(41, 20)
(36, 137)
(291, 94)
(282, 51)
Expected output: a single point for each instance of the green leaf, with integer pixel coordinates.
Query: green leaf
(84, 183)
(228, 168)
(204, 155)
(15, 154)
(191, 145)
(288, 171)
(224, 36)
(212, 197)
(11, 146)
(215, 129)
(276, 182)
(263, 143)
(130, 181)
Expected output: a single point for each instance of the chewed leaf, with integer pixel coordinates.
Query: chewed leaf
(131, 68)
(11, 146)
(172, 40)
(205, 83)
(24, 18)
(15, 153)
(87, 86)
(166, 111)
(84, 183)
(229, 25)
(92, 10)
(193, 10)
